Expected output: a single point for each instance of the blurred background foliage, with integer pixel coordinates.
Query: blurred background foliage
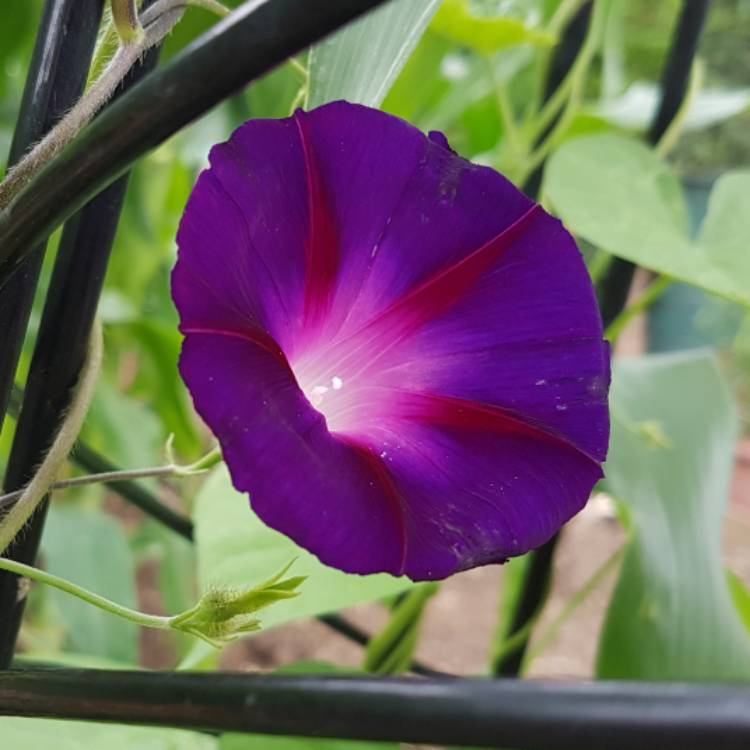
(476, 59)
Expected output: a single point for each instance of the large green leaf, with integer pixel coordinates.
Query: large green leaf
(361, 62)
(236, 548)
(484, 33)
(91, 549)
(123, 427)
(42, 734)
(672, 616)
(619, 195)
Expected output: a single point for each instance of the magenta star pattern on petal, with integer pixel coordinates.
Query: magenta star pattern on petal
(399, 352)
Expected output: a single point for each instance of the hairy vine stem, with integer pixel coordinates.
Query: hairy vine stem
(126, 21)
(37, 488)
(156, 23)
(171, 469)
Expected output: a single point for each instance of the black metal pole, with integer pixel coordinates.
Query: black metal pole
(615, 286)
(479, 713)
(64, 46)
(563, 59)
(539, 573)
(59, 352)
(136, 494)
(257, 37)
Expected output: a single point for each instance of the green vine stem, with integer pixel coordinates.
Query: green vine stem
(126, 21)
(557, 24)
(654, 290)
(66, 437)
(171, 469)
(568, 95)
(672, 134)
(599, 576)
(220, 616)
(42, 576)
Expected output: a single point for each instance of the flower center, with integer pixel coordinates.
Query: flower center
(329, 396)
(320, 395)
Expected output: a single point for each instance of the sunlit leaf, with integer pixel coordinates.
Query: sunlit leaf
(617, 194)
(485, 34)
(236, 548)
(672, 616)
(636, 108)
(361, 62)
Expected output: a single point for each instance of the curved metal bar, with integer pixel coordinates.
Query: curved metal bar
(257, 37)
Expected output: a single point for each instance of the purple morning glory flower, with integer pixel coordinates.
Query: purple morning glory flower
(400, 353)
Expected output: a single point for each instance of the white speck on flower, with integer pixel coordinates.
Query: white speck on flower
(337, 383)
(561, 407)
(541, 382)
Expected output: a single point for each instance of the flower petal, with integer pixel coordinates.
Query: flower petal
(304, 482)
(475, 496)
(400, 353)
(405, 206)
(527, 338)
(246, 228)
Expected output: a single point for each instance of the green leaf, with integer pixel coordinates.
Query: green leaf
(725, 236)
(485, 34)
(41, 734)
(235, 548)
(617, 194)
(123, 427)
(740, 597)
(421, 84)
(673, 432)
(91, 549)
(391, 651)
(161, 380)
(361, 62)
(515, 574)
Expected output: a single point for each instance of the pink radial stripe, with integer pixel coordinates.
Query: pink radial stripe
(457, 413)
(321, 254)
(251, 334)
(426, 302)
(383, 480)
